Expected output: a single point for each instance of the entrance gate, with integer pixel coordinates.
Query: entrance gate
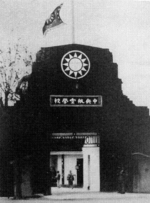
(80, 153)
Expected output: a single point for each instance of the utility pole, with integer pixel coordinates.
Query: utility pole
(73, 23)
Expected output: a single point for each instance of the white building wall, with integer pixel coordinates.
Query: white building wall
(91, 167)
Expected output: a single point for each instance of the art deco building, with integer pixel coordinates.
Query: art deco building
(91, 128)
(73, 116)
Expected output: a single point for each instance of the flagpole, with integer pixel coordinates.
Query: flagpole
(73, 25)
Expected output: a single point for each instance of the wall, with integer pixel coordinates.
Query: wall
(141, 177)
(91, 155)
(114, 120)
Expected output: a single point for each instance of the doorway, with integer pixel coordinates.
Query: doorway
(80, 172)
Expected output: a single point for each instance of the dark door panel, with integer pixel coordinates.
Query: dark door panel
(80, 172)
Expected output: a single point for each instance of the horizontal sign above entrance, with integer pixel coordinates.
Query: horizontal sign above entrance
(89, 138)
(75, 100)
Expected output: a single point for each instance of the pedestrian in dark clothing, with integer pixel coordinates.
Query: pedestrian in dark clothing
(58, 179)
(70, 179)
(121, 181)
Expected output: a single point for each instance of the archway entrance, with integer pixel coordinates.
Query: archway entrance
(80, 154)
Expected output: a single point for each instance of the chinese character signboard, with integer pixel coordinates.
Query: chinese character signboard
(75, 101)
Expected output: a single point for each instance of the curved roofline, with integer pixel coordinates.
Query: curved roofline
(65, 45)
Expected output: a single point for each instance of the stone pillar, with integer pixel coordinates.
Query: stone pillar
(59, 166)
(91, 167)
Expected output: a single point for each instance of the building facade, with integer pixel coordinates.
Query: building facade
(80, 121)
(89, 121)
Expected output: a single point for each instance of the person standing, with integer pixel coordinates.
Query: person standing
(122, 181)
(58, 179)
(70, 179)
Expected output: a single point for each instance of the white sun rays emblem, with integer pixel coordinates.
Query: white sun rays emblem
(75, 64)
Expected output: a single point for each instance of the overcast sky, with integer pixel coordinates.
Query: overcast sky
(122, 26)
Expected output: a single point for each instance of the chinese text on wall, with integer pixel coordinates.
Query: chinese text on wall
(76, 100)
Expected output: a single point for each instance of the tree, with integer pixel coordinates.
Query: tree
(15, 62)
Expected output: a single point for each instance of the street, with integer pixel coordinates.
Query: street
(60, 195)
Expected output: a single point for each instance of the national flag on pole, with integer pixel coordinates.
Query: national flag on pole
(53, 21)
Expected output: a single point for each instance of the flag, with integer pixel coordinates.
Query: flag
(53, 21)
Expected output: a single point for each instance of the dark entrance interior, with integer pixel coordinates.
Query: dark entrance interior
(110, 159)
(79, 172)
(114, 156)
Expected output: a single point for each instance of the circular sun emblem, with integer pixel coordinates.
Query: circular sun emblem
(75, 64)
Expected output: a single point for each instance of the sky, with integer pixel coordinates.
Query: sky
(122, 26)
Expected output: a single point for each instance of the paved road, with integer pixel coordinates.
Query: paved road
(80, 196)
(109, 199)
